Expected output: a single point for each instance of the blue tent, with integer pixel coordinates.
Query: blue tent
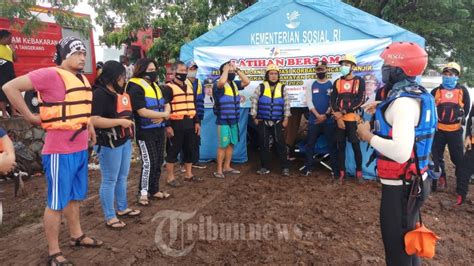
(265, 22)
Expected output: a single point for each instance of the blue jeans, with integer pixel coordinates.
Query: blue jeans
(114, 166)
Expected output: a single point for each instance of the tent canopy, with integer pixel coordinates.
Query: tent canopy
(298, 21)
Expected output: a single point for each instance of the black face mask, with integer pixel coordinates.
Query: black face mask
(151, 76)
(119, 89)
(181, 76)
(392, 75)
(321, 75)
(230, 76)
(272, 83)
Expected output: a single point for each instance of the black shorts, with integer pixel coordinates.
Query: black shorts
(183, 140)
(350, 132)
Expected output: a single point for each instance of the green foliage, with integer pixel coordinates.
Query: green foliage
(447, 26)
(61, 10)
(179, 22)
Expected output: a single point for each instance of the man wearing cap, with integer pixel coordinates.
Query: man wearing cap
(452, 104)
(270, 111)
(346, 98)
(227, 110)
(196, 84)
(65, 155)
(320, 120)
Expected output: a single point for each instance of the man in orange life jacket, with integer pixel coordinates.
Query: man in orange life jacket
(183, 126)
(65, 96)
(452, 103)
(196, 84)
(227, 109)
(404, 127)
(347, 96)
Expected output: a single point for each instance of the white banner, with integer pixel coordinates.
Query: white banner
(297, 64)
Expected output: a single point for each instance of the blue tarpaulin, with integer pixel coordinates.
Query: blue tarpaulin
(290, 22)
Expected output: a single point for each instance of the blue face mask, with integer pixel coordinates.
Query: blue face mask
(345, 70)
(449, 82)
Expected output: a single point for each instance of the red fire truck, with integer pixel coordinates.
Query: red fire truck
(37, 51)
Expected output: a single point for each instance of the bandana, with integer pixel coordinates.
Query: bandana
(66, 47)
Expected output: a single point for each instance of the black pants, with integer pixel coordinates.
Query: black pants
(195, 152)
(316, 130)
(464, 173)
(264, 133)
(350, 133)
(152, 154)
(454, 140)
(392, 208)
(184, 140)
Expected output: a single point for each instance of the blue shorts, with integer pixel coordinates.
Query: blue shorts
(66, 177)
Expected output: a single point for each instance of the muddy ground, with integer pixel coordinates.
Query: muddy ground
(277, 220)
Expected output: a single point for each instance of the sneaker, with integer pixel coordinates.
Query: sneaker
(199, 166)
(342, 176)
(263, 171)
(442, 184)
(285, 172)
(305, 172)
(459, 200)
(359, 177)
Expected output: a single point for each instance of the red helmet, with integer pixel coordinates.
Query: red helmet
(410, 57)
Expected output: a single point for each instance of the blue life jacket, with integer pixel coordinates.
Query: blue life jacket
(424, 134)
(154, 101)
(227, 106)
(271, 104)
(199, 97)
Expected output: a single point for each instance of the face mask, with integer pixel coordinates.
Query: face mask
(345, 70)
(230, 76)
(151, 76)
(386, 74)
(321, 75)
(450, 82)
(181, 76)
(192, 74)
(119, 89)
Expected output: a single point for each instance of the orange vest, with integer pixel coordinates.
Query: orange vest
(182, 103)
(347, 90)
(73, 113)
(449, 104)
(124, 106)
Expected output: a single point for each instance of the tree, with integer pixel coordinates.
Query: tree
(178, 22)
(61, 10)
(447, 26)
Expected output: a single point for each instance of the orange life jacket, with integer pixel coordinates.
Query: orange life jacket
(182, 103)
(73, 113)
(347, 91)
(449, 104)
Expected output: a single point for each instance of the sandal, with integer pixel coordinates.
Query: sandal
(174, 183)
(117, 228)
(54, 259)
(193, 179)
(161, 195)
(77, 242)
(219, 175)
(143, 200)
(129, 213)
(232, 171)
